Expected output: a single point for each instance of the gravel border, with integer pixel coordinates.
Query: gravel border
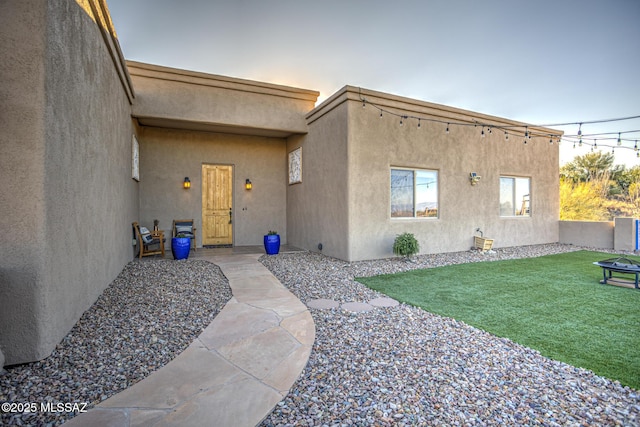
(147, 316)
(404, 366)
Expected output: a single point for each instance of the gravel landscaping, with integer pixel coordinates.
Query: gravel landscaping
(388, 366)
(150, 313)
(404, 366)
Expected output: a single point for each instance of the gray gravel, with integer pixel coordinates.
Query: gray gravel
(151, 312)
(404, 366)
(389, 366)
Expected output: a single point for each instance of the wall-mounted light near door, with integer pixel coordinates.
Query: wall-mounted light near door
(248, 185)
(187, 183)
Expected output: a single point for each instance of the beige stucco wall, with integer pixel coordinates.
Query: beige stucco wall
(594, 234)
(170, 97)
(624, 234)
(380, 143)
(619, 234)
(68, 194)
(189, 118)
(360, 148)
(317, 208)
(167, 156)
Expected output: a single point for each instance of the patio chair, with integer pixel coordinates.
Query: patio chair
(146, 239)
(185, 227)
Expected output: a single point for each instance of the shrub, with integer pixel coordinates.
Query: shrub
(406, 245)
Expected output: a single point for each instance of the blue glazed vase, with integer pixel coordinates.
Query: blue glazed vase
(180, 247)
(272, 244)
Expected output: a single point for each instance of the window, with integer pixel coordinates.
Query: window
(414, 193)
(515, 197)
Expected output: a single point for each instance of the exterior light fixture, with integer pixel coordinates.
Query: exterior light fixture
(474, 178)
(248, 185)
(187, 183)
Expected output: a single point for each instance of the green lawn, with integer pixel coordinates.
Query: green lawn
(554, 304)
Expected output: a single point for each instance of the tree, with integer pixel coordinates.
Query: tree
(582, 201)
(592, 188)
(588, 167)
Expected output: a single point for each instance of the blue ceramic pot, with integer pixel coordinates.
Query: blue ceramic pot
(180, 247)
(272, 244)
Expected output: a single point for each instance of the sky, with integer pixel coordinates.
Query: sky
(542, 62)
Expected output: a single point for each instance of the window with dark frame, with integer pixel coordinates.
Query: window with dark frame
(414, 193)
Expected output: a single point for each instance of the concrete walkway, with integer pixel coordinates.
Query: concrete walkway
(237, 370)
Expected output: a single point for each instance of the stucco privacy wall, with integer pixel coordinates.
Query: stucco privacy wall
(66, 168)
(168, 155)
(371, 145)
(595, 234)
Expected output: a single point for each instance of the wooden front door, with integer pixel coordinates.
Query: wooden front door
(217, 205)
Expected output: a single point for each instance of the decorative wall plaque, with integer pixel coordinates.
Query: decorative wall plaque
(135, 159)
(295, 166)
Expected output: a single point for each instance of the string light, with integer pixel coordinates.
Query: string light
(530, 134)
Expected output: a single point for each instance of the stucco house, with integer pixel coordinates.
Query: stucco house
(92, 142)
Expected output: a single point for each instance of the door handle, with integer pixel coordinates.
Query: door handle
(230, 216)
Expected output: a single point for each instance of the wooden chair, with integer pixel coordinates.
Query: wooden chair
(146, 239)
(185, 227)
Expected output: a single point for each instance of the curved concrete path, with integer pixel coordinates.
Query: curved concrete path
(235, 372)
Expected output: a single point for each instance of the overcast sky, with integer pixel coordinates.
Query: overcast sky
(538, 61)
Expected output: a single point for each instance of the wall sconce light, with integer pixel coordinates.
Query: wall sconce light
(187, 183)
(474, 178)
(248, 185)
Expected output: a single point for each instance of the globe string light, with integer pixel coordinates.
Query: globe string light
(529, 131)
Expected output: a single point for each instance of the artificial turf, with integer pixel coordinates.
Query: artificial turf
(554, 304)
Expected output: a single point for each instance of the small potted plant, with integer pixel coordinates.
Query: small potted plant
(180, 246)
(272, 243)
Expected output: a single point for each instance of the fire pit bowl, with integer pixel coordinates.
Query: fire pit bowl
(619, 265)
